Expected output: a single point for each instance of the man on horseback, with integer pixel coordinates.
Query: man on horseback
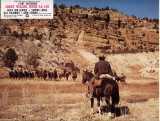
(102, 71)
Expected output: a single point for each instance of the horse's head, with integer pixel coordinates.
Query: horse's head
(87, 76)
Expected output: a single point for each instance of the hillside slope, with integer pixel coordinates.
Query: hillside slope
(72, 29)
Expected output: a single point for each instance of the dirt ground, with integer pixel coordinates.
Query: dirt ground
(37, 100)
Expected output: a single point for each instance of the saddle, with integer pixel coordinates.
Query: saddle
(98, 82)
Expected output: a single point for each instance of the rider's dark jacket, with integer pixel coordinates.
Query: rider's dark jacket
(102, 67)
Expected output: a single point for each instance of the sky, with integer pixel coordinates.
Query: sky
(139, 8)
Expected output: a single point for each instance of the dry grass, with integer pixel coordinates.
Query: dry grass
(65, 101)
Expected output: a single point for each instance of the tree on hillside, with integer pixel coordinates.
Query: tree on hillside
(55, 6)
(95, 8)
(10, 58)
(62, 6)
(107, 19)
(119, 23)
(33, 56)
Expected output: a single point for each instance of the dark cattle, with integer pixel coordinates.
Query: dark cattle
(49, 75)
(44, 74)
(26, 74)
(38, 73)
(61, 75)
(32, 75)
(15, 72)
(74, 75)
(67, 75)
(77, 69)
(11, 74)
(52, 75)
(55, 74)
(21, 74)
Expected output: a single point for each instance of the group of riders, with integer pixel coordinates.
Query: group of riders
(21, 73)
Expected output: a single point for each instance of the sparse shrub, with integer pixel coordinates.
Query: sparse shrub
(85, 16)
(96, 17)
(4, 30)
(107, 18)
(143, 34)
(15, 34)
(156, 27)
(71, 9)
(77, 6)
(10, 58)
(95, 8)
(157, 31)
(107, 8)
(36, 35)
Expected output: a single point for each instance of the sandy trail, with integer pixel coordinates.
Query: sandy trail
(91, 58)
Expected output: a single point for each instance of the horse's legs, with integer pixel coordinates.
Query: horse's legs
(92, 105)
(107, 99)
(67, 77)
(98, 104)
(113, 108)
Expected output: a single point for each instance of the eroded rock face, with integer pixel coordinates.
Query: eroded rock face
(97, 31)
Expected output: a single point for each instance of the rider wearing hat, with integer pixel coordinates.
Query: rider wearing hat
(102, 70)
(102, 67)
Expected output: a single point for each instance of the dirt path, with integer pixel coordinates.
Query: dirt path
(91, 58)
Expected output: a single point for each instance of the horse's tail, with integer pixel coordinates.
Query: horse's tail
(101, 99)
(115, 95)
(108, 90)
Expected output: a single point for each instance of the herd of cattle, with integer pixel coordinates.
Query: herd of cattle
(42, 74)
(51, 75)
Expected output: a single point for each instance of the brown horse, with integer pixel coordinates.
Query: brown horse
(108, 89)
